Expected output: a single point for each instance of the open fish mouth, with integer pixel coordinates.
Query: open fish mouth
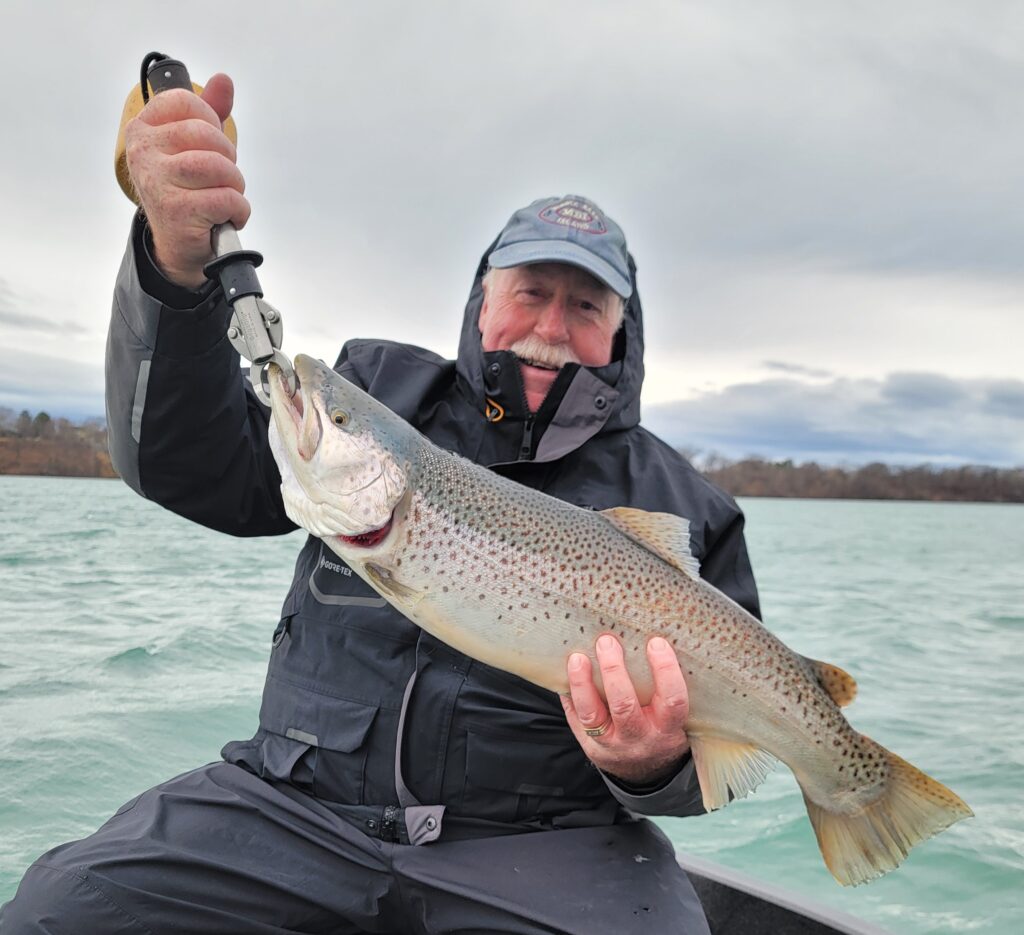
(372, 537)
(304, 417)
(293, 402)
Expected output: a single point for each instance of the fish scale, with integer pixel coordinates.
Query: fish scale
(519, 580)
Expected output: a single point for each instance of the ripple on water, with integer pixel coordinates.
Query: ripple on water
(137, 658)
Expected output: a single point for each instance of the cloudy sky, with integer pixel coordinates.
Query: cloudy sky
(825, 199)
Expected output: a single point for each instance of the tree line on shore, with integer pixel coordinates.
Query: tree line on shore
(57, 447)
(755, 477)
(38, 444)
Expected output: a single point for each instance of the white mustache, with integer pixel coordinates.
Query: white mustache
(552, 355)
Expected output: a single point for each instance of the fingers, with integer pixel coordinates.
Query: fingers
(175, 105)
(623, 705)
(219, 93)
(183, 168)
(670, 704)
(197, 169)
(585, 708)
(641, 743)
(188, 134)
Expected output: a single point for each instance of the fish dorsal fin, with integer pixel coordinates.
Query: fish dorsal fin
(839, 684)
(664, 534)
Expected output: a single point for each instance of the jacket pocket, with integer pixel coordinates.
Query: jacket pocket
(316, 739)
(536, 779)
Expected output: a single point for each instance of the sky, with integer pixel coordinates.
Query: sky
(825, 200)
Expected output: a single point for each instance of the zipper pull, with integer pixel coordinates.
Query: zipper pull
(526, 445)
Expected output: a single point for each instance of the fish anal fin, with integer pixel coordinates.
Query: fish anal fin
(664, 534)
(876, 838)
(727, 769)
(839, 684)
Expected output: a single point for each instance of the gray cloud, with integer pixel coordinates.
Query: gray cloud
(1006, 398)
(798, 370)
(60, 386)
(903, 419)
(12, 316)
(912, 391)
(38, 323)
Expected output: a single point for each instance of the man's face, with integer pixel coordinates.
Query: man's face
(548, 315)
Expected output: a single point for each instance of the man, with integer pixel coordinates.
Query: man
(395, 785)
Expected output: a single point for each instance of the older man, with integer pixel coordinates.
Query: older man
(395, 785)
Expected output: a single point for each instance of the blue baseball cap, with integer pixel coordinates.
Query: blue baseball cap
(571, 229)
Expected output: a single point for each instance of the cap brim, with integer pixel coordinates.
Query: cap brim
(561, 251)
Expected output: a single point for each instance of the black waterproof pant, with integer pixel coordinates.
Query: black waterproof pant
(219, 850)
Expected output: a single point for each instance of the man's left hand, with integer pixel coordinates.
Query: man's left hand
(641, 744)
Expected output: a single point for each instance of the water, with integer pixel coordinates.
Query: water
(135, 644)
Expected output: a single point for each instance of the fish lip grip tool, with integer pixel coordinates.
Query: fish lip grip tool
(256, 328)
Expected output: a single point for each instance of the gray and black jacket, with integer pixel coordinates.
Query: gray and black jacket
(361, 708)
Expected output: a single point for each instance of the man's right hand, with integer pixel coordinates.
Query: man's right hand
(183, 168)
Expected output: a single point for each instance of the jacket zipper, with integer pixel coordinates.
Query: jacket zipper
(526, 445)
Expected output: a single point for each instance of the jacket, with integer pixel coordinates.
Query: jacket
(361, 709)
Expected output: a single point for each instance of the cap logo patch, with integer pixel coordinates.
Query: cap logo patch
(578, 215)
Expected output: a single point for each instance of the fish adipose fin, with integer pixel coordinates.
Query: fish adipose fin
(840, 685)
(727, 769)
(912, 807)
(664, 534)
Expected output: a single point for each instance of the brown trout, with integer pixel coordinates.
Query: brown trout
(519, 580)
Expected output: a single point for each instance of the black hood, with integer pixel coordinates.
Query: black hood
(583, 402)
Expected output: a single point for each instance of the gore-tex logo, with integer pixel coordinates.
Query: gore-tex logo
(579, 215)
(335, 567)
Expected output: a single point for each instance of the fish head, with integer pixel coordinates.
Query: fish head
(340, 454)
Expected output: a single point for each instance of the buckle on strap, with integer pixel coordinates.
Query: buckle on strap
(389, 824)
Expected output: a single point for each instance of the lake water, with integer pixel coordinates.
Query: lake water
(135, 644)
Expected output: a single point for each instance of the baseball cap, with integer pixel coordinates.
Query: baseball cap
(569, 229)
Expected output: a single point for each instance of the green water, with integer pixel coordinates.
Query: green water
(134, 646)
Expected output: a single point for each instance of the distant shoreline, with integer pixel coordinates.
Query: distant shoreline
(55, 457)
(752, 477)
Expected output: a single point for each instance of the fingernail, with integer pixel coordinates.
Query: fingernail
(577, 661)
(606, 642)
(659, 644)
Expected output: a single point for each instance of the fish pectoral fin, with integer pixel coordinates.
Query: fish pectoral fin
(664, 534)
(391, 589)
(728, 769)
(840, 685)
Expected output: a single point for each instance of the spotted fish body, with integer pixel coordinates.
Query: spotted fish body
(519, 580)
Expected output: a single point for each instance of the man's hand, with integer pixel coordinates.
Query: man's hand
(183, 168)
(642, 743)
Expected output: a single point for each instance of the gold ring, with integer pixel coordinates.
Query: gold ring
(598, 731)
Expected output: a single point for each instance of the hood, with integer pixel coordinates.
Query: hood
(583, 402)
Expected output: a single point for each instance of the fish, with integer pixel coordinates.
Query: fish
(519, 580)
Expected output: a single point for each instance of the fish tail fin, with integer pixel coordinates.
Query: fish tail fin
(863, 845)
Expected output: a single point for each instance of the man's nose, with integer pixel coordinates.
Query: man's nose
(551, 324)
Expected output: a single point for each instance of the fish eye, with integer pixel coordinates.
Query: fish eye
(340, 417)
